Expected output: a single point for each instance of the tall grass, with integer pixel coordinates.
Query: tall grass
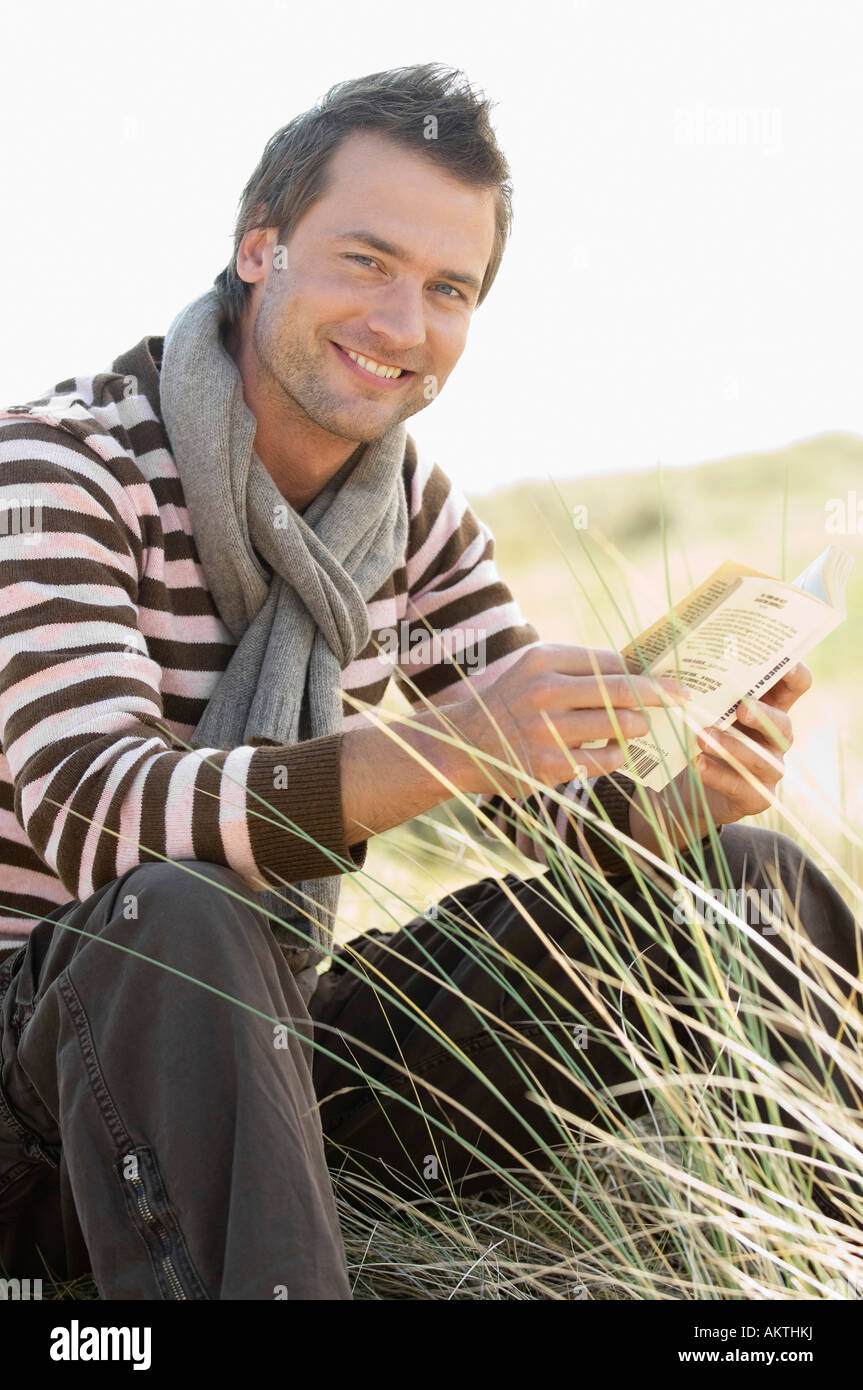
(689, 1179)
(699, 1196)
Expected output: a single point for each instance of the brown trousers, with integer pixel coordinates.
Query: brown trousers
(172, 1115)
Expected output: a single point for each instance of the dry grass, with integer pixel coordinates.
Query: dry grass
(692, 1201)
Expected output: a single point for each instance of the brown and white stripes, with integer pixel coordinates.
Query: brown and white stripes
(110, 646)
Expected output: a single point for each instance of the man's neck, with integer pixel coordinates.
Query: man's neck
(299, 456)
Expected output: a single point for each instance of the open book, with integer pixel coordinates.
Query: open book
(731, 638)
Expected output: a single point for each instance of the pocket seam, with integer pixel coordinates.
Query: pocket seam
(123, 1147)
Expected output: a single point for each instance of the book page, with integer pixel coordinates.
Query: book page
(731, 638)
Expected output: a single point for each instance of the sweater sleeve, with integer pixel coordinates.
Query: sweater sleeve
(100, 783)
(464, 625)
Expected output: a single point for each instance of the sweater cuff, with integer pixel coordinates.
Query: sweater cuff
(302, 783)
(616, 794)
(615, 797)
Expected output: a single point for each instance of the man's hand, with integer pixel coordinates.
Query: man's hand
(762, 726)
(550, 702)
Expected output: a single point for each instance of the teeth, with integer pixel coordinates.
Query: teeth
(372, 367)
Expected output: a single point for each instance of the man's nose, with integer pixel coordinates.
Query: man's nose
(398, 317)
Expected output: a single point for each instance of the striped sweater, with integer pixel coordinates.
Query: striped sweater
(110, 646)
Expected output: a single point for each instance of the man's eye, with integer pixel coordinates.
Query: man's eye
(358, 256)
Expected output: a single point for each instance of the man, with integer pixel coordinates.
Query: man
(232, 520)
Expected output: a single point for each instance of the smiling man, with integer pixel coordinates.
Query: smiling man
(234, 522)
(358, 322)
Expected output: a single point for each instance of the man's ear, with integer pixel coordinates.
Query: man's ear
(255, 253)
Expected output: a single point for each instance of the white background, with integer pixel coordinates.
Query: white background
(684, 278)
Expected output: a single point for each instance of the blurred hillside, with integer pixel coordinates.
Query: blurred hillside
(769, 511)
(592, 561)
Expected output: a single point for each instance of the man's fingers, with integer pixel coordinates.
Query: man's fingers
(576, 661)
(597, 762)
(609, 691)
(580, 661)
(767, 724)
(719, 777)
(737, 750)
(582, 726)
(788, 690)
(584, 762)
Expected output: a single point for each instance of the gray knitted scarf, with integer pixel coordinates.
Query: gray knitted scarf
(297, 629)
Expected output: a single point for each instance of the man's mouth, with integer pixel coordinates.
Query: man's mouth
(382, 371)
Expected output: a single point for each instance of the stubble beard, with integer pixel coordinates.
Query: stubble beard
(296, 381)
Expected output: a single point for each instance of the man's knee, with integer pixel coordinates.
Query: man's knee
(190, 882)
(188, 911)
(760, 858)
(802, 899)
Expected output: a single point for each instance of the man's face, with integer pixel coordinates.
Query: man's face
(386, 265)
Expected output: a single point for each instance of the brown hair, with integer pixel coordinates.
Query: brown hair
(428, 108)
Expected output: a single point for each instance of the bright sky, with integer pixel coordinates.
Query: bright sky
(684, 277)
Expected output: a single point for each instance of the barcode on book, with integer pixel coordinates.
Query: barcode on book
(642, 763)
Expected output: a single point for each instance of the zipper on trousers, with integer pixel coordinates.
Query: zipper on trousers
(160, 1233)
